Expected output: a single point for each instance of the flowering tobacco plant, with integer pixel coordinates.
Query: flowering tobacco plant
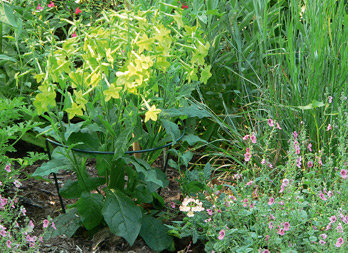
(123, 79)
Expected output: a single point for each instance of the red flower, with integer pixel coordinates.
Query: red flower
(78, 11)
(184, 6)
(51, 5)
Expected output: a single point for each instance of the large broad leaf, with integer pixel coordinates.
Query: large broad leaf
(7, 15)
(57, 163)
(192, 139)
(122, 215)
(155, 234)
(89, 207)
(172, 129)
(189, 111)
(72, 189)
(66, 224)
(154, 177)
(313, 105)
(4, 57)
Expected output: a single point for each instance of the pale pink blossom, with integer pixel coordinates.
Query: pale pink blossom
(328, 127)
(221, 234)
(271, 201)
(330, 99)
(270, 122)
(344, 173)
(295, 134)
(280, 231)
(322, 242)
(333, 219)
(310, 164)
(253, 138)
(324, 236)
(309, 147)
(45, 223)
(8, 168)
(339, 228)
(246, 137)
(322, 196)
(286, 226)
(278, 126)
(267, 237)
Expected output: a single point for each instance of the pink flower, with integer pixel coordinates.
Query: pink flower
(210, 212)
(333, 219)
(310, 164)
(221, 234)
(328, 227)
(344, 173)
(328, 127)
(270, 201)
(208, 220)
(77, 11)
(263, 161)
(339, 242)
(266, 251)
(270, 123)
(250, 183)
(280, 231)
(322, 196)
(51, 5)
(272, 217)
(8, 244)
(3, 232)
(17, 183)
(324, 236)
(339, 228)
(330, 194)
(172, 204)
(322, 242)
(8, 168)
(286, 182)
(39, 7)
(278, 126)
(253, 138)
(309, 147)
(184, 6)
(73, 35)
(330, 99)
(281, 203)
(45, 223)
(298, 161)
(286, 226)
(281, 188)
(295, 134)
(31, 224)
(255, 193)
(53, 226)
(267, 237)
(247, 157)
(270, 225)
(246, 137)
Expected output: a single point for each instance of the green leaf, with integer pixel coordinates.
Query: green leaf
(192, 139)
(207, 171)
(122, 215)
(89, 207)
(72, 128)
(155, 234)
(72, 190)
(4, 57)
(194, 187)
(57, 163)
(66, 224)
(313, 105)
(172, 129)
(205, 74)
(7, 15)
(186, 157)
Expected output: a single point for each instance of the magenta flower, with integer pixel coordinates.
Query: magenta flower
(270, 201)
(17, 183)
(309, 147)
(77, 11)
(210, 212)
(39, 7)
(339, 228)
(333, 219)
(51, 5)
(344, 173)
(45, 223)
(8, 168)
(270, 123)
(324, 236)
(286, 226)
(221, 234)
(286, 182)
(339, 242)
(295, 134)
(270, 225)
(322, 196)
(310, 164)
(280, 231)
(322, 242)
(253, 138)
(73, 35)
(8, 244)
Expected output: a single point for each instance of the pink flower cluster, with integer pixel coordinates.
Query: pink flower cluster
(271, 123)
(285, 183)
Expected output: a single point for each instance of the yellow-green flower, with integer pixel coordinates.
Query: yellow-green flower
(152, 113)
(112, 92)
(74, 110)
